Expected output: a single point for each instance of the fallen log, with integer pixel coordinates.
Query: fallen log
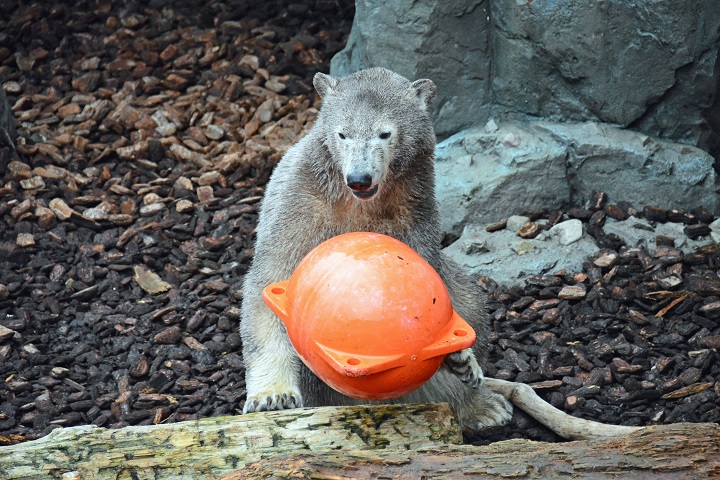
(216, 446)
(387, 441)
(677, 451)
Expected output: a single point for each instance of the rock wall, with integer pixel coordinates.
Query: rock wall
(448, 42)
(648, 65)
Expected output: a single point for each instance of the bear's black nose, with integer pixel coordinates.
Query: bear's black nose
(359, 182)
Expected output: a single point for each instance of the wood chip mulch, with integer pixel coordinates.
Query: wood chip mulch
(147, 132)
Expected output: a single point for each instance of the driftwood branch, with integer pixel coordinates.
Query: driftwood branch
(678, 451)
(213, 447)
(567, 426)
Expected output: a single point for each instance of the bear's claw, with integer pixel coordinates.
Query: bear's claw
(265, 402)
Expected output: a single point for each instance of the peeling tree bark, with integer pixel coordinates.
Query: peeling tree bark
(213, 447)
(678, 451)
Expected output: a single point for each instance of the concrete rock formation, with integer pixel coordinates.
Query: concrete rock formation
(447, 42)
(636, 168)
(488, 173)
(485, 174)
(647, 65)
(637, 232)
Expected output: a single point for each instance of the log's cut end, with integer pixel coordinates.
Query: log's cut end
(682, 450)
(212, 447)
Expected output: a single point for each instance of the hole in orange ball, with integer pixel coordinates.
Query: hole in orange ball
(278, 290)
(460, 333)
(353, 361)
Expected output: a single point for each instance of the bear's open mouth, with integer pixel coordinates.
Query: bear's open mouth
(366, 194)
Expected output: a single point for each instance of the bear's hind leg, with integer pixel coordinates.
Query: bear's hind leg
(477, 407)
(485, 409)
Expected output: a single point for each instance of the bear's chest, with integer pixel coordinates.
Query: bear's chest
(380, 216)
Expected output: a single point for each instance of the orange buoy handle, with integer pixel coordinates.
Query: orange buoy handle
(458, 337)
(275, 296)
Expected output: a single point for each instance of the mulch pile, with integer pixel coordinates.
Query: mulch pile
(147, 133)
(633, 339)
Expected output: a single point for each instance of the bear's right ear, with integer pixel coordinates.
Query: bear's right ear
(324, 84)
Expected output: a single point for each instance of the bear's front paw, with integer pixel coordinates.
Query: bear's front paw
(268, 401)
(464, 365)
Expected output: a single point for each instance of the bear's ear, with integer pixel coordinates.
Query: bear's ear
(324, 84)
(424, 90)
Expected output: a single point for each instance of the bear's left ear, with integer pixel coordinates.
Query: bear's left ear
(324, 84)
(424, 90)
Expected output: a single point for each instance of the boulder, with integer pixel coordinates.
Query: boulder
(635, 168)
(487, 174)
(649, 65)
(447, 42)
(509, 259)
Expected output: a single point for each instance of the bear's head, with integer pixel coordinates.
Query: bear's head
(376, 125)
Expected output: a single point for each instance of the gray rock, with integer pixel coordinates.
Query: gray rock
(614, 62)
(473, 245)
(491, 126)
(715, 230)
(633, 231)
(715, 225)
(447, 42)
(567, 232)
(485, 177)
(685, 114)
(636, 168)
(509, 259)
(649, 65)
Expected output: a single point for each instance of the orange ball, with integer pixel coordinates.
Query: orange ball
(369, 316)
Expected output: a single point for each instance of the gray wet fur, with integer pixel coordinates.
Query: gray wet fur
(379, 123)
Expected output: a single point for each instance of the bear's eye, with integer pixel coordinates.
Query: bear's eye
(385, 135)
(341, 135)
